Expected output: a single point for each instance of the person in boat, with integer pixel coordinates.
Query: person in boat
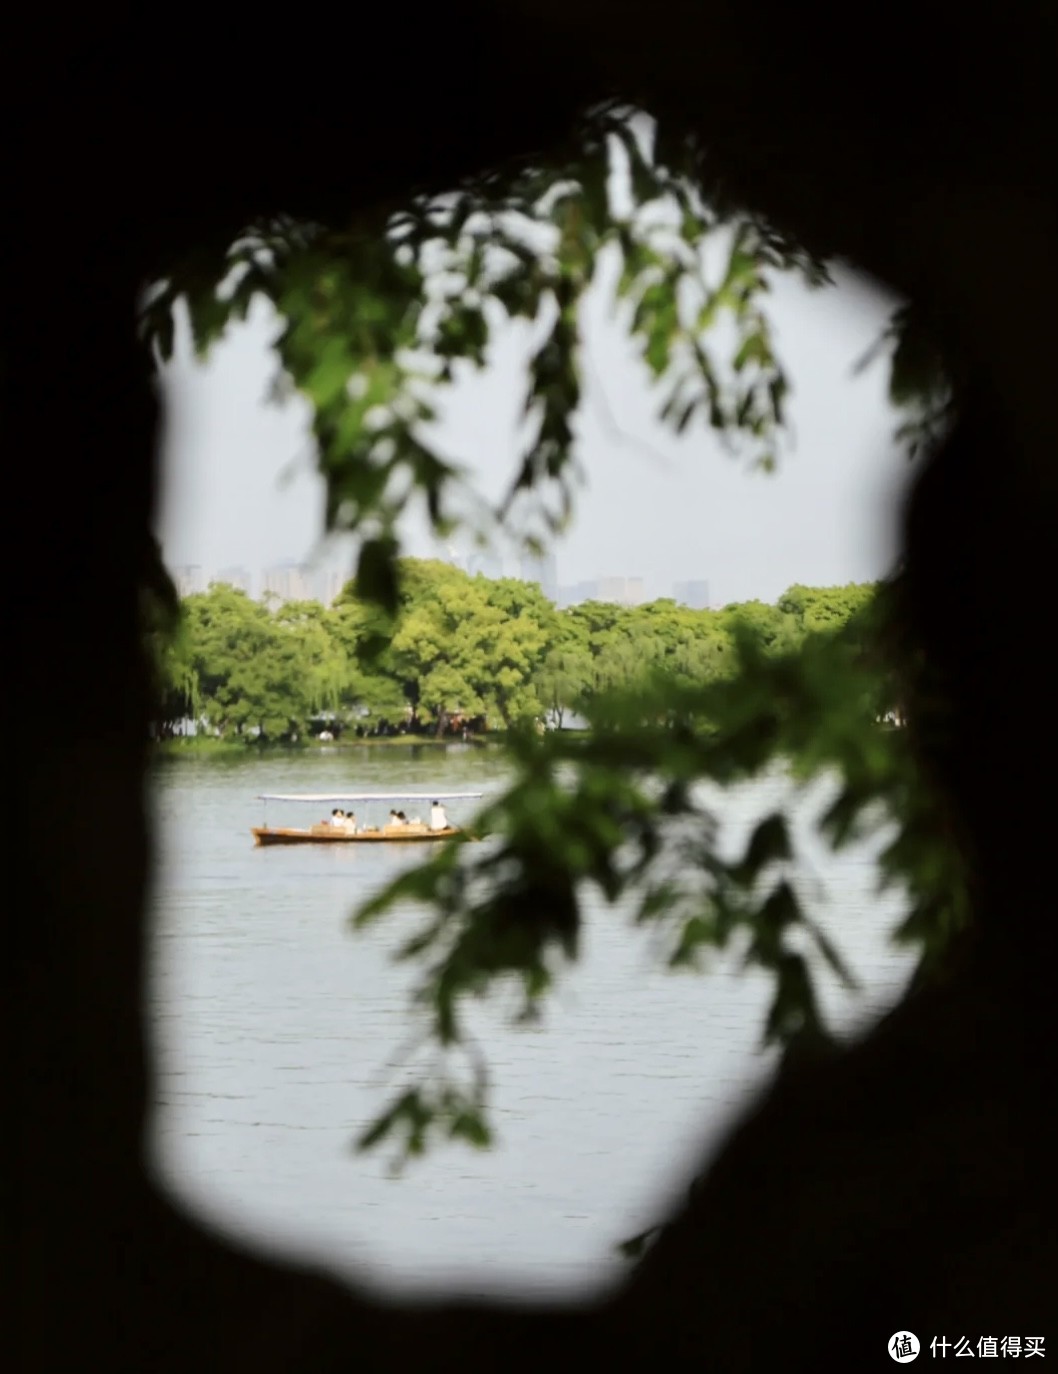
(336, 817)
(349, 822)
(402, 818)
(394, 817)
(438, 818)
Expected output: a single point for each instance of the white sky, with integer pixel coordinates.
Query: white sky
(655, 507)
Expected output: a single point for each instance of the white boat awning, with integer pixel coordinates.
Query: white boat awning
(425, 797)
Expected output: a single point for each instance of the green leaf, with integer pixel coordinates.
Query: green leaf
(698, 931)
(754, 349)
(470, 1127)
(769, 843)
(376, 573)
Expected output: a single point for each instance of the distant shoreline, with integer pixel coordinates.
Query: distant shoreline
(197, 746)
(206, 746)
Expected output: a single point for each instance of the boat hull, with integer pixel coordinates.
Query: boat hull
(322, 834)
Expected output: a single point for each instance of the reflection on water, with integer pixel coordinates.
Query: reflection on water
(273, 1024)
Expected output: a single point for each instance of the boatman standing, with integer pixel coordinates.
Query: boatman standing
(438, 819)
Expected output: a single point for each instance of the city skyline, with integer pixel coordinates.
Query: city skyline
(289, 580)
(239, 486)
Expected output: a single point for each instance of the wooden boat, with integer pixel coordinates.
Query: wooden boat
(328, 833)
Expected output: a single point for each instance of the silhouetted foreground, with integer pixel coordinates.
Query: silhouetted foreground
(909, 1181)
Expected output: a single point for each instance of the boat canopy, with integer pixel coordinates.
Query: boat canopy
(425, 797)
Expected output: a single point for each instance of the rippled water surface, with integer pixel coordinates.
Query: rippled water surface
(274, 1024)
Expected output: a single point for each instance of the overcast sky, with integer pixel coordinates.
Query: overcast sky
(655, 507)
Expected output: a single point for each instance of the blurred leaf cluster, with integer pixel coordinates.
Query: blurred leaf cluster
(628, 813)
(380, 317)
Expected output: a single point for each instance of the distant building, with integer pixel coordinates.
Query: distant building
(288, 582)
(189, 579)
(238, 577)
(695, 595)
(621, 591)
(618, 591)
(331, 583)
(543, 570)
(584, 591)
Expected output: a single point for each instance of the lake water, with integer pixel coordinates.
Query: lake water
(274, 1023)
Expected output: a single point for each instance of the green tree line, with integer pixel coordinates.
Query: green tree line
(460, 652)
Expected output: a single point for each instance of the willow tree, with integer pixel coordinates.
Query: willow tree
(378, 320)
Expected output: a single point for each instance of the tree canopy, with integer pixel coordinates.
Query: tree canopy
(459, 648)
